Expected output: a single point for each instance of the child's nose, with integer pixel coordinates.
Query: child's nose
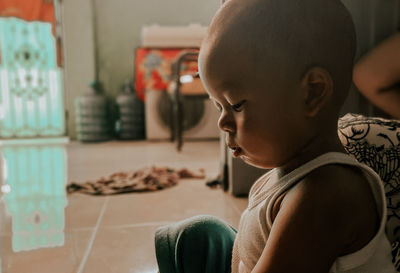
(226, 122)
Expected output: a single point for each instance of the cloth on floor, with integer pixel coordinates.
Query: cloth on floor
(145, 179)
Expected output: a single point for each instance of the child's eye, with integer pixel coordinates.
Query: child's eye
(239, 106)
(217, 105)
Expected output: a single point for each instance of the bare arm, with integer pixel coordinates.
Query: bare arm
(316, 224)
(377, 75)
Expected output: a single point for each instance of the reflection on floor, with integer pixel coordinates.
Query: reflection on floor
(34, 179)
(44, 230)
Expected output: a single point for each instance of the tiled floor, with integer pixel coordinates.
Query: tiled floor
(81, 233)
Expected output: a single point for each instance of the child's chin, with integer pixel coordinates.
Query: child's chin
(253, 163)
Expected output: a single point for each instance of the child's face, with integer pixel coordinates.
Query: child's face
(261, 115)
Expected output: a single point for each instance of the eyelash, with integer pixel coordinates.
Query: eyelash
(238, 106)
(218, 106)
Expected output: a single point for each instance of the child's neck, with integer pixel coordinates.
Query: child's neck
(315, 147)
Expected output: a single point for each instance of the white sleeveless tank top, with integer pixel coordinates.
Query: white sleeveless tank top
(256, 222)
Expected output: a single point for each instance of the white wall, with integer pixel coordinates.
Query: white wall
(118, 34)
(118, 25)
(78, 45)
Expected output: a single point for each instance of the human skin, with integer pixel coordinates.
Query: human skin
(279, 114)
(290, 107)
(377, 75)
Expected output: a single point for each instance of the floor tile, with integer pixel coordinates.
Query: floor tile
(240, 203)
(5, 219)
(123, 250)
(64, 259)
(188, 198)
(83, 211)
(116, 233)
(91, 161)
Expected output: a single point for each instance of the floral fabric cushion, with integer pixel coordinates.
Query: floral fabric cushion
(376, 143)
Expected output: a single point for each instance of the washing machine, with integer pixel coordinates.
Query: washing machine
(200, 117)
(160, 46)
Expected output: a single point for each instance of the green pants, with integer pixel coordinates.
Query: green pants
(201, 244)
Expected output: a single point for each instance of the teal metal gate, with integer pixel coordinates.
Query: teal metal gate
(31, 96)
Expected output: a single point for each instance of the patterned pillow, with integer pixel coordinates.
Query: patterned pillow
(376, 143)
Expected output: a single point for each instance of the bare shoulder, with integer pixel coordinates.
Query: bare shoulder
(343, 193)
(330, 213)
(337, 180)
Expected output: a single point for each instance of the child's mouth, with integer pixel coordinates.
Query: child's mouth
(236, 151)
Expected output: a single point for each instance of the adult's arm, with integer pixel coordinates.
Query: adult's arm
(377, 75)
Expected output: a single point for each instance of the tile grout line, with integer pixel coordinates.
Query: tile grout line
(93, 237)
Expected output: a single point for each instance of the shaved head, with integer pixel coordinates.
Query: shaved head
(284, 37)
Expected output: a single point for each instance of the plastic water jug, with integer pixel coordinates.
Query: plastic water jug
(130, 122)
(92, 115)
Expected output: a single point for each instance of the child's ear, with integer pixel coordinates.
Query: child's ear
(318, 87)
